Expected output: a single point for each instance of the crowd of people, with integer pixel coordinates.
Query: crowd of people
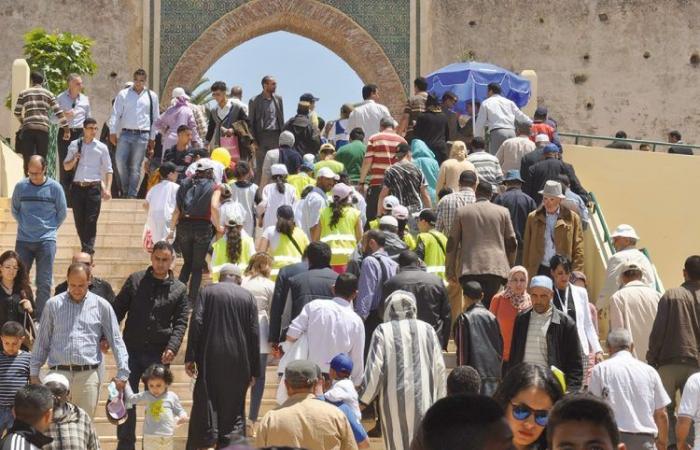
(347, 254)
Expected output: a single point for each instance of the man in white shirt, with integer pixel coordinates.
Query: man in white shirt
(689, 412)
(333, 327)
(634, 308)
(308, 211)
(134, 111)
(76, 108)
(369, 113)
(499, 115)
(624, 239)
(635, 392)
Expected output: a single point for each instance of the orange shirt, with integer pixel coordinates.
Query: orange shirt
(505, 313)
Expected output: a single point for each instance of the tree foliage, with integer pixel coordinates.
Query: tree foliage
(58, 55)
(201, 95)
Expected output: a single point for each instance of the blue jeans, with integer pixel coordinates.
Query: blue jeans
(139, 361)
(43, 253)
(131, 149)
(6, 419)
(258, 390)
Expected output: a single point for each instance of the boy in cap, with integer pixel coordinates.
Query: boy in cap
(388, 203)
(327, 159)
(343, 390)
(431, 244)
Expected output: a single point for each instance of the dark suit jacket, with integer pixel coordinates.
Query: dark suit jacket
(255, 113)
(563, 347)
(309, 285)
(278, 306)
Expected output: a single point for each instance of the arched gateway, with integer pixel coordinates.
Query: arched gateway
(321, 22)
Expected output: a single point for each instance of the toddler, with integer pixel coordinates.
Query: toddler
(343, 389)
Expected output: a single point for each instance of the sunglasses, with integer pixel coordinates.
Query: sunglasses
(522, 412)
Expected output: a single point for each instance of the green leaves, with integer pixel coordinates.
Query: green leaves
(58, 55)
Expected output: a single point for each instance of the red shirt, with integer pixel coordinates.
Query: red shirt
(541, 128)
(381, 150)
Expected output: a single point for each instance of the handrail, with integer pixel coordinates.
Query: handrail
(653, 144)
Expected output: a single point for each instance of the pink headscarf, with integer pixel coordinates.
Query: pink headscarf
(521, 302)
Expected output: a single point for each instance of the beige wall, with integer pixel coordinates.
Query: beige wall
(115, 25)
(645, 97)
(654, 192)
(11, 170)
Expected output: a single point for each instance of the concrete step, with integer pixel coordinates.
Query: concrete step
(110, 442)
(68, 238)
(123, 226)
(179, 373)
(106, 266)
(106, 215)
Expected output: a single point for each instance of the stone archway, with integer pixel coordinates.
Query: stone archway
(324, 24)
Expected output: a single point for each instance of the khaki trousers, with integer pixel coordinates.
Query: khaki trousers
(673, 377)
(84, 388)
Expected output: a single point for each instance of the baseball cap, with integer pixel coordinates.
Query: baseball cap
(58, 379)
(400, 212)
(204, 164)
(307, 165)
(341, 190)
(279, 169)
(428, 215)
(308, 97)
(233, 218)
(301, 373)
(542, 281)
(390, 201)
(389, 220)
(310, 158)
(541, 138)
(550, 148)
(342, 363)
(326, 172)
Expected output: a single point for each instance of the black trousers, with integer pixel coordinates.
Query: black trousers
(373, 320)
(193, 238)
(490, 285)
(86, 210)
(34, 142)
(372, 199)
(66, 178)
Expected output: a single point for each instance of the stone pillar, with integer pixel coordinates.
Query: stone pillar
(531, 75)
(20, 82)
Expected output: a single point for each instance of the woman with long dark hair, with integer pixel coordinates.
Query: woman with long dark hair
(527, 394)
(235, 247)
(16, 296)
(341, 227)
(257, 281)
(284, 241)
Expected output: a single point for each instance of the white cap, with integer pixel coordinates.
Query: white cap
(233, 218)
(390, 201)
(204, 164)
(626, 231)
(57, 378)
(179, 92)
(326, 172)
(541, 138)
(400, 212)
(309, 158)
(389, 220)
(279, 169)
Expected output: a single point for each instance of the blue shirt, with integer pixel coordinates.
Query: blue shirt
(94, 160)
(372, 278)
(79, 105)
(39, 210)
(358, 431)
(70, 332)
(131, 111)
(14, 375)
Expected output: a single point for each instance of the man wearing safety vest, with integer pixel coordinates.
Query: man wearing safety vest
(431, 243)
(235, 247)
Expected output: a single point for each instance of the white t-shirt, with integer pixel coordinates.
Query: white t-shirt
(273, 199)
(344, 391)
(262, 289)
(632, 388)
(218, 170)
(161, 200)
(690, 405)
(308, 211)
(246, 197)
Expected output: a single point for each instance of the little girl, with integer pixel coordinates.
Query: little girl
(163, 409)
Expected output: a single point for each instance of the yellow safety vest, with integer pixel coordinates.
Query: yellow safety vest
(341, 237)
(300, 181)
(286, 252)
(435, 244)
(374, 224)
(409, 240)
(219, 256)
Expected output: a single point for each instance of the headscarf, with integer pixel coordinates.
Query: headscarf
(521, 302)
(400, 305)
(458, 151)
(424, 159)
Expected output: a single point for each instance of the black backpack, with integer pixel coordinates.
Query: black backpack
(196, 201)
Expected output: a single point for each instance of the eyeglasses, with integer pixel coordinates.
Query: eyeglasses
(522, 412)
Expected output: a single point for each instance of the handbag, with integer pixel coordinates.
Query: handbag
(231, 144)
(31, 331)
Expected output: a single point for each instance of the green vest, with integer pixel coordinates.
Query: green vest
(219, 256)
(435, 244)
(341, 237)
(286, 252)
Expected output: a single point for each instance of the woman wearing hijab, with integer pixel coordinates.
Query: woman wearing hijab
(178, 114)
(452, 168)
(507, 304)
(425, 160)
(405, 368)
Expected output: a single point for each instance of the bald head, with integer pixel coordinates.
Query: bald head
(36, 169)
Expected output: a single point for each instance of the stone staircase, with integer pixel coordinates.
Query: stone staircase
(119, 253)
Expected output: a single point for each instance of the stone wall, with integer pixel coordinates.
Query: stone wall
(603, 66)
(114, 25)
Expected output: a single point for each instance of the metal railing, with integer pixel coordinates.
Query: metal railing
(579, 136)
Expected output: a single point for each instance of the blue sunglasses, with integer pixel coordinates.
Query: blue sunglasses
(522, 412)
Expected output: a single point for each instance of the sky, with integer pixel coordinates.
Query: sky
(299, 65)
